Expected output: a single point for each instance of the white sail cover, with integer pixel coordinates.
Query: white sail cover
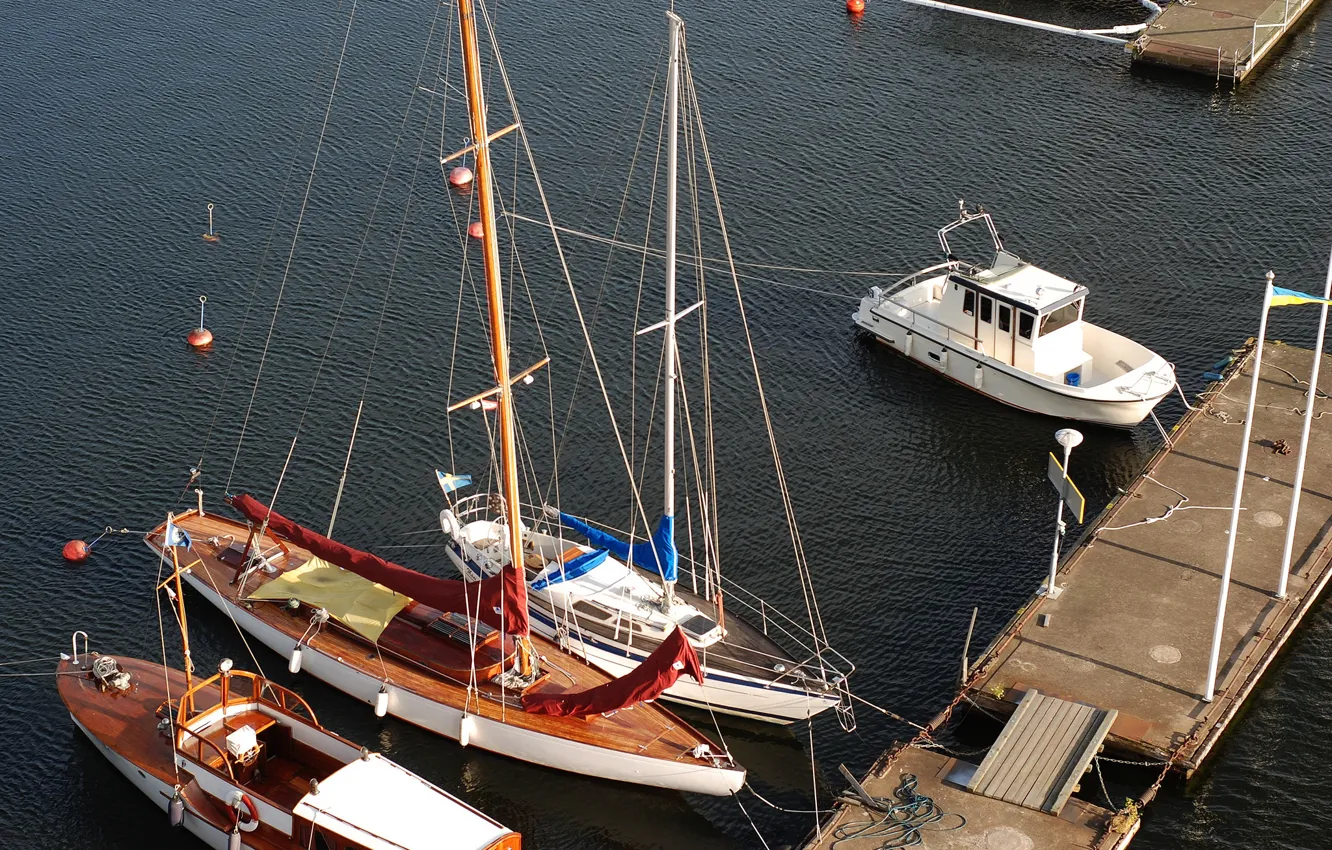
(383, 806)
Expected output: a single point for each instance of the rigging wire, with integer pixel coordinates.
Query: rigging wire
(258, 272)
(291, 253)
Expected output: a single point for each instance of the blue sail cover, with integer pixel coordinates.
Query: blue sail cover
(657, 554)
(582, 565)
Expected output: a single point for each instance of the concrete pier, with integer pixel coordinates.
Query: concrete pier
(1226, 39)
(1131, 629)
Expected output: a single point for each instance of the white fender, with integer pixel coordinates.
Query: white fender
(978, 376)
(906, 344)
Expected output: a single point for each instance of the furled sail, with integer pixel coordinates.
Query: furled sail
(657, 554)
(645, 682)
(499, 601)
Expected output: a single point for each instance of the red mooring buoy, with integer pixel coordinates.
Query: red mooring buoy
(76, 551)
(855, 7)
(460, 177)
(200, 338)
(475, 230)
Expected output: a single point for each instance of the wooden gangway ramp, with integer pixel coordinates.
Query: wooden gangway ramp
(1042, 752)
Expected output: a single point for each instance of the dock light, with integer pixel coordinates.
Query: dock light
(1069, 438)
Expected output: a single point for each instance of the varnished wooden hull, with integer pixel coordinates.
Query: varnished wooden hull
(599, 746)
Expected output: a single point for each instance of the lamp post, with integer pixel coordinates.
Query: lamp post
(1068, 438)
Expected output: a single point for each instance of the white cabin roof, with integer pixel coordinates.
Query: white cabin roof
(383, 806)
(1029, 285)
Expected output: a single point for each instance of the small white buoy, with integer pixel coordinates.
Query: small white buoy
(381, 701)
(294, 665)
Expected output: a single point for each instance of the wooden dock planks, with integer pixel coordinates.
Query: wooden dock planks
(1041, 752)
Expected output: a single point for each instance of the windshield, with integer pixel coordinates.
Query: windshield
(1066, 315)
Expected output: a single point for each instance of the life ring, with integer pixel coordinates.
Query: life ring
(249, 821)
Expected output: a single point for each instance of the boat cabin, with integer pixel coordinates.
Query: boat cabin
(1013, 311)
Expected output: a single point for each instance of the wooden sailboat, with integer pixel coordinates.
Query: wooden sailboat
(614, 602)
(240, 761)
(456, 659)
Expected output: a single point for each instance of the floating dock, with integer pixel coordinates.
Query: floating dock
(1120, 653)
(1226, 39)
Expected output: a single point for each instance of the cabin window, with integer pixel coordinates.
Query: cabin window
(1026, 322)
(1063, 317)
(987, 309)
(969, 303)
(1005, 319)
(593, 610)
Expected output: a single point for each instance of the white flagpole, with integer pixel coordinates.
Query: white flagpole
(1217, 629)
(1304, 440)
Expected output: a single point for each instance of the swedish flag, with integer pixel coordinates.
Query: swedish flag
(1287, 297)
(448, 482)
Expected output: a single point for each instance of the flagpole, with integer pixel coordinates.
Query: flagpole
(1304, 440)
(1217, 629)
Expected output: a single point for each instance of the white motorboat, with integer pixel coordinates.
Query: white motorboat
(1016, 333)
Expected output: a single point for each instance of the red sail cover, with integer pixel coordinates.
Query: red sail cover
(646, 681)
(504, 592)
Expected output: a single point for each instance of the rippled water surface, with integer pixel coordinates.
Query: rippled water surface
(838, 144)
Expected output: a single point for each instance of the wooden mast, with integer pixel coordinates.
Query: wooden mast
(180, 607)
(499, 345)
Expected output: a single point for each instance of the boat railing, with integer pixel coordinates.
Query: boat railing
(261, 691)
(829, 664)
(926, 323)
(817, 654)
(199, 741)
(914, 278)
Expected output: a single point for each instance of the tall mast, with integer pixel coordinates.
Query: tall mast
(499, 344)
(673, 117)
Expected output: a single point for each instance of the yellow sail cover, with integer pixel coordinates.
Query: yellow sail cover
(357, 603)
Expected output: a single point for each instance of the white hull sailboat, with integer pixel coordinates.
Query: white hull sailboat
(455, 658)
(1016, 333)
(613, 601)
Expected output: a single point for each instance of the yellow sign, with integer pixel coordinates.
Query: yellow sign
(1068, 491)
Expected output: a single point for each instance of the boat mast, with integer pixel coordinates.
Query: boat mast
(499, 345)
(673, 117)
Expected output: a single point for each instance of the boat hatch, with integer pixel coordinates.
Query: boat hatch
(701, 629)
(459, 628)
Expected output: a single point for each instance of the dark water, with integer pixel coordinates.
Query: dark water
(839, 145)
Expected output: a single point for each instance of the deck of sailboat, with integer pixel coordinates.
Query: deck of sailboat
(646, 730)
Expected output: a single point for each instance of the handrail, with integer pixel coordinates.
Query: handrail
(257, 686)
(184, 730)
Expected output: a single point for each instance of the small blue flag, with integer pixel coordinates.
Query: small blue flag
(176, 536)
(449, 482)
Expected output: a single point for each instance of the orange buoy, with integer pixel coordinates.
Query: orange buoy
(855, 7)
(460, 177)
(76, 551)
(200, 337)
(475, 230)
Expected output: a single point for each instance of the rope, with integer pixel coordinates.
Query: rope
(1181, 505)
(715, 262)
(752, 825)
(29, 661)
(166, 675)
(903, 819)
